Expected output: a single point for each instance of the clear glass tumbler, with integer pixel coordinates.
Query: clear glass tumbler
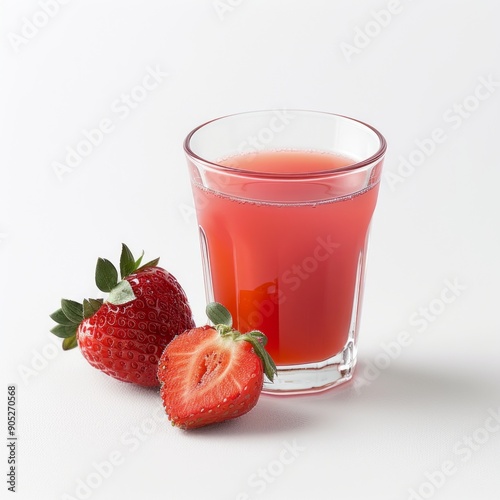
(284, 200)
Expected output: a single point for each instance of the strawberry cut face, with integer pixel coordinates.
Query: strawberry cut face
(207, 378)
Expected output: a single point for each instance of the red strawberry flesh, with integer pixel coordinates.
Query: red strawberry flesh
(207, 378)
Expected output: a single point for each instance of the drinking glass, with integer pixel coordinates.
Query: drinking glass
(284, 201)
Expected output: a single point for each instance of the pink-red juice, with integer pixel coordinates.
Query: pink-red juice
(289, 267)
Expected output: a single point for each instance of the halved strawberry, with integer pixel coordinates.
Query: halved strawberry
(125, 335)
(211, 374)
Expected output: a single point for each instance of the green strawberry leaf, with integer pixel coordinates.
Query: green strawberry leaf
(151, 263)
(139, 260)
(127, 262)
(91, 306)
(106, 275)
(72, 313)
(69, 343)
(259, 336)
(255, 338)
(96, 303)
(219, 315)
(61, 318)
(72, 310)
(64, 331)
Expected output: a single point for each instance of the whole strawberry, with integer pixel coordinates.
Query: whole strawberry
(211, 374)
(125, 335)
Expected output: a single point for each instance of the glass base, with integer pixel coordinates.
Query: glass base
(314, 377)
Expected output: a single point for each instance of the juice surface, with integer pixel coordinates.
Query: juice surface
(287, 269)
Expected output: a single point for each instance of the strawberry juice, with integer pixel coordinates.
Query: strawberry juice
(290, 268)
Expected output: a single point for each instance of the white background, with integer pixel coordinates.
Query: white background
(427, 407)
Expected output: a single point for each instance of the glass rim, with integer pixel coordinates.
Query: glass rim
(375, 157)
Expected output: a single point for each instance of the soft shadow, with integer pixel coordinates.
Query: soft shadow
(411, 394)
(418, 389)
(269, 416)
